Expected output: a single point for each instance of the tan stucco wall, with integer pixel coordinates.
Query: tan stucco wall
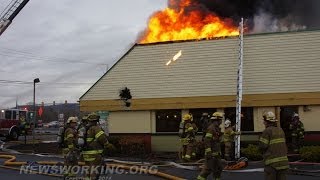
(310, 118)
(257, 117)
(153, 121)
(130, 122)
(165, 143)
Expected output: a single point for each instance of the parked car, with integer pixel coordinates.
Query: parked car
(52, 124)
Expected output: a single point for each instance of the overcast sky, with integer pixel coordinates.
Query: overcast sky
(66, 41)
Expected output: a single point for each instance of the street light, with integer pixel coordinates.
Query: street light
(37, 80)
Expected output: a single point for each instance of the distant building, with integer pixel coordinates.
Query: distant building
(281, 74)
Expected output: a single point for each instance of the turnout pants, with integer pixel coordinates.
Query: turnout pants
(273, 174)
(213, 166)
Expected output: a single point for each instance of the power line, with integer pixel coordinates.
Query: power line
(39, 58)
(42, 83)
(48, 58)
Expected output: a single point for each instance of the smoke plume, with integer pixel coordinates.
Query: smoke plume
(261, 15)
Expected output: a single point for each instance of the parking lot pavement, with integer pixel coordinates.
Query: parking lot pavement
(188, 174)
(13, 174)
(182, 173)
(16, 174)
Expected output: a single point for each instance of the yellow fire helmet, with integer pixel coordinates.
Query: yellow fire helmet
(217, 116)
(72, 120)
(187, 117)
(84, 118)
(93, 117)
(269, 116)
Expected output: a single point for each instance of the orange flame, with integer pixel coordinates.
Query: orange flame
(184, 24)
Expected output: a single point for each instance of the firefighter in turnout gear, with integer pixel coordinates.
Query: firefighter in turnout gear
(23, 125)
(297, 133)
(187, 132)
(82, 129)
(70, 151)
(95, 144)
(212, 141)
(228, 139)
(273, 146)
(205, 118)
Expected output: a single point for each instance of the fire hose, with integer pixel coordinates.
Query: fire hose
(11, 161)
(236, 167)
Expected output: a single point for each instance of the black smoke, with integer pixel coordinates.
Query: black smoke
(274, 14)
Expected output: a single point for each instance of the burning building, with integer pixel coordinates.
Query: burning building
(169, 79)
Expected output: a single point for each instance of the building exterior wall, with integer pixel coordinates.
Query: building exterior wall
(280, 69)
(137, 122)
(282, 63)
(273, 63)
(130, 122)
(310, 118)
(257, 116)
(165, 143)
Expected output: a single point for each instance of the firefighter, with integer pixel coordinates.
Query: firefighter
(83, 123)
(228, 139)
(273, 145)
(95, 143)
(81, 130)
(23, 125)
(187, 132)
(212, 141)
(297, 133)
(70, 151)
(205, 118)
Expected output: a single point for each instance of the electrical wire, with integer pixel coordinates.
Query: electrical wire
(42, 83)
(31, 56)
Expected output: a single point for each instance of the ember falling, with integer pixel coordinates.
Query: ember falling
(181, 22)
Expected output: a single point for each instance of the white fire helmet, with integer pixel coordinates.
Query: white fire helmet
(227, 123)
(72, 120)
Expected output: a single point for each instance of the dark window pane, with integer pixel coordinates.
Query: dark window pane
(168, 120)
(14, 115)
(197, 116)
(246, 120)
(8, 114)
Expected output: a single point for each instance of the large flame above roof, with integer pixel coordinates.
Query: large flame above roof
(180, 21)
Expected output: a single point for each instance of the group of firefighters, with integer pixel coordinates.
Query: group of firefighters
(272, 143)
(85, 142)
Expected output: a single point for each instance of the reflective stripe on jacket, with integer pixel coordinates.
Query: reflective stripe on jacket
(274, 148)
(212, 140)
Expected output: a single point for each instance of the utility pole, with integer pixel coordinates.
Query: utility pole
(239, 91)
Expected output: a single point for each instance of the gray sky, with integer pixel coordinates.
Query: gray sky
(49, 39)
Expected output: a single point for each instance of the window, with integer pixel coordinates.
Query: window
(14, 115)
(8, 114)
(246, 120)
(168, 120)
(197, 116)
